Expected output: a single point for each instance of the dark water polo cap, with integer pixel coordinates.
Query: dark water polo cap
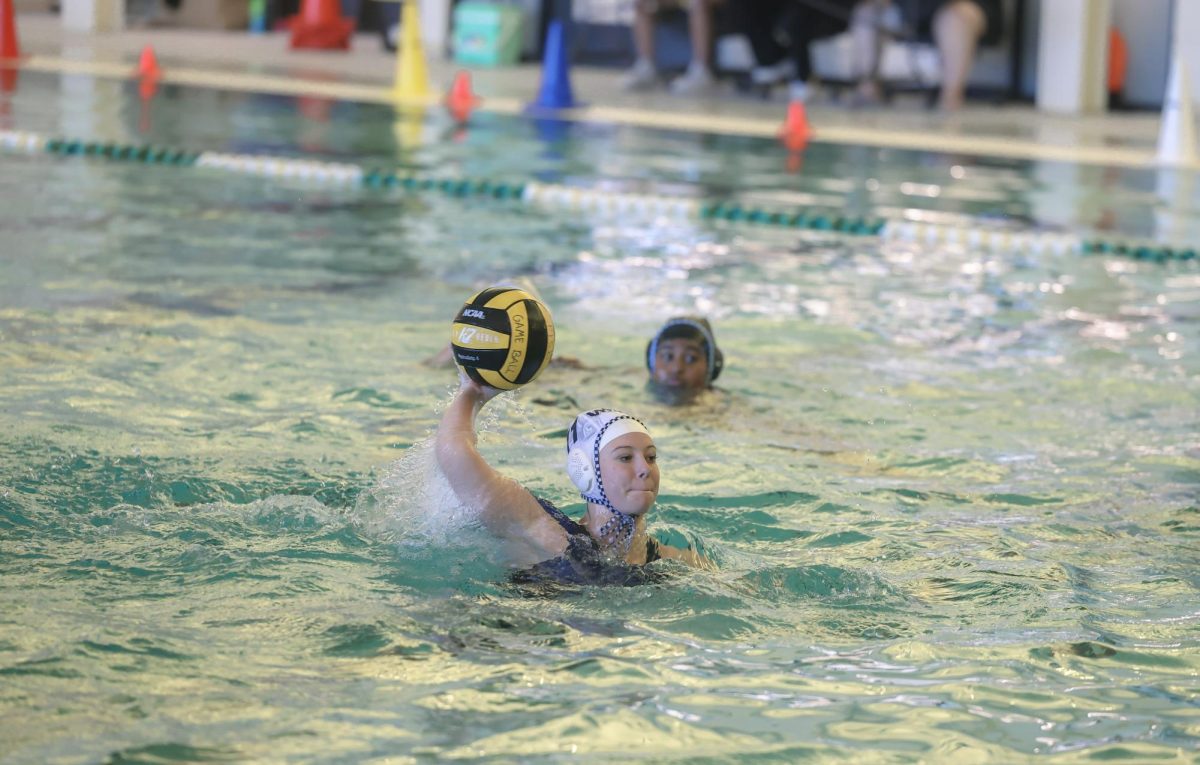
(689, 328)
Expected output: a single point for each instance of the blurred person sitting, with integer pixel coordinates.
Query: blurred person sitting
(957, 27)
(872, 24)
(780, 32)
(698, 78)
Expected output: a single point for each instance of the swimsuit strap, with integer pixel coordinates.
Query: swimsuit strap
(572, 528)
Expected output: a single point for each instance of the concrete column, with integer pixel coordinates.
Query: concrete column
(1073, 55)
(93, 15)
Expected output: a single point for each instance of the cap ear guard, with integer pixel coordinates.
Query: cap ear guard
(718, 364)
(579, 469)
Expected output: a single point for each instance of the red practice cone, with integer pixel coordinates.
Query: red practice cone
(320, 25)
(147, 87)
(795, 162)
(795, 133)
(460, 101)
(8, 31)
(148, 65)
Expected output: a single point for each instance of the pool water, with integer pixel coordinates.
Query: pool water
(951, 492)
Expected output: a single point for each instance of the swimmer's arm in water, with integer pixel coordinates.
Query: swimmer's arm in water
(505, 507)
(688, 556)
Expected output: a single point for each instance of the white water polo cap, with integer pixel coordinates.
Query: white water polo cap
(586, 438)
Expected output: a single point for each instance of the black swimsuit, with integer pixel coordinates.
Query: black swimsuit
(583, 562)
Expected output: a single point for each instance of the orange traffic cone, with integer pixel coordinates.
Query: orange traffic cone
(8, 31)
(460, 101)
(320, 25)
(795, 133)
(148, 65)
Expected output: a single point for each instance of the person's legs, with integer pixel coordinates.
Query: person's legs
(700, 29)
(869, 31)
(643, 74)
(643, 29)
(698, 78)
(957, 27)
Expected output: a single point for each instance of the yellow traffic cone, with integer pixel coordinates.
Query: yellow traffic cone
(412, 79)
(408, 128)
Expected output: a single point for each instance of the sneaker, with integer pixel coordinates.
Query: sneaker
(641, 76)
(696, 81)
(769, 75)
(867, 95)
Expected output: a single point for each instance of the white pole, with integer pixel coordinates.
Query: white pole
(1185, 25)
(435, 26)
(1177, 130)
(1073, 55)
(93, 15)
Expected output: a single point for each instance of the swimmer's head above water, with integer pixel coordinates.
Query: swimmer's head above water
(612, 460)
(683, 359)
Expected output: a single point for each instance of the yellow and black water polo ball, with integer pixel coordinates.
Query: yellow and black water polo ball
(502, 337)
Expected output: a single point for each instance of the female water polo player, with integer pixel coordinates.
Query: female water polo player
(683, 359)
(613, 462)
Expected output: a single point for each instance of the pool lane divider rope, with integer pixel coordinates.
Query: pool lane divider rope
(576, 198)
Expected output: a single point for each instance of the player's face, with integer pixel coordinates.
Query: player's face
(629, 469)
(681, 364)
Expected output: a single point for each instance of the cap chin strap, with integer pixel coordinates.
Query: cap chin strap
(619, 529)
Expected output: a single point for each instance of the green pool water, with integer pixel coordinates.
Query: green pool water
(952, 493)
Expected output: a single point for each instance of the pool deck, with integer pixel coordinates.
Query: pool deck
(264, 63)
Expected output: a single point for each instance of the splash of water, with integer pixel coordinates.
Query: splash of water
(414, 503)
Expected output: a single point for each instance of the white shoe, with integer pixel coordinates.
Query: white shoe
(641, 76)
(798, 90)
(769, 75)
(696, 81)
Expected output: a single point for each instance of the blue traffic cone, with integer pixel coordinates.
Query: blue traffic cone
(556, 82)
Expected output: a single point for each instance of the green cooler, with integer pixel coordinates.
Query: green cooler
(487, 34)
